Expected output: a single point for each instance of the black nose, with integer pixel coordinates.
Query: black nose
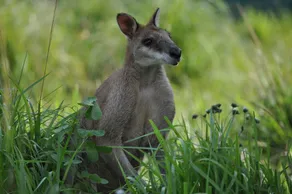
(175, 52)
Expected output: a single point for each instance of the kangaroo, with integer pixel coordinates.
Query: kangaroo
(133, 95)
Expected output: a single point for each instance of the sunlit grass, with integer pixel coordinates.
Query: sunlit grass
(219, 153)
(207, 159)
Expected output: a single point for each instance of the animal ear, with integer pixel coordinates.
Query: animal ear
(127, 24)
(155, 18)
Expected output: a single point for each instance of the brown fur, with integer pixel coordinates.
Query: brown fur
(130, 97)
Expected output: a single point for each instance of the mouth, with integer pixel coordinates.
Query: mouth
(175, 61)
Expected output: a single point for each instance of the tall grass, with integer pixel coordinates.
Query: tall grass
(36, 151)
(207, 159)
(219, 153)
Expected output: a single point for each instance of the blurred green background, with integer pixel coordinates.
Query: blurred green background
(245, 60)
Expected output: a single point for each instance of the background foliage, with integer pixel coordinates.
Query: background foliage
(223, 60)
(245, 60)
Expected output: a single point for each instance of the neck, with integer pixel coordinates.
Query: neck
(151, 74)
(145, 74)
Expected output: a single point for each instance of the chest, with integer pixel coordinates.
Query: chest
(151, 99)
(148, 96)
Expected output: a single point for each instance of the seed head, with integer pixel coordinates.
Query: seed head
(194, 116)
(235, 112)
(218, 105)
(257, 120)
(245, 110)
(233, 105)
(216, 108)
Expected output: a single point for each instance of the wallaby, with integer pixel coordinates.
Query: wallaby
(133, 95)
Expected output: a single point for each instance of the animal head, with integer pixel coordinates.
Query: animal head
(148, 44)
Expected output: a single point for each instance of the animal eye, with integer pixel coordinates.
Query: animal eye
(147, 41)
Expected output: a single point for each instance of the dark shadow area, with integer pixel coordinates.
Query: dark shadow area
(273, 6)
